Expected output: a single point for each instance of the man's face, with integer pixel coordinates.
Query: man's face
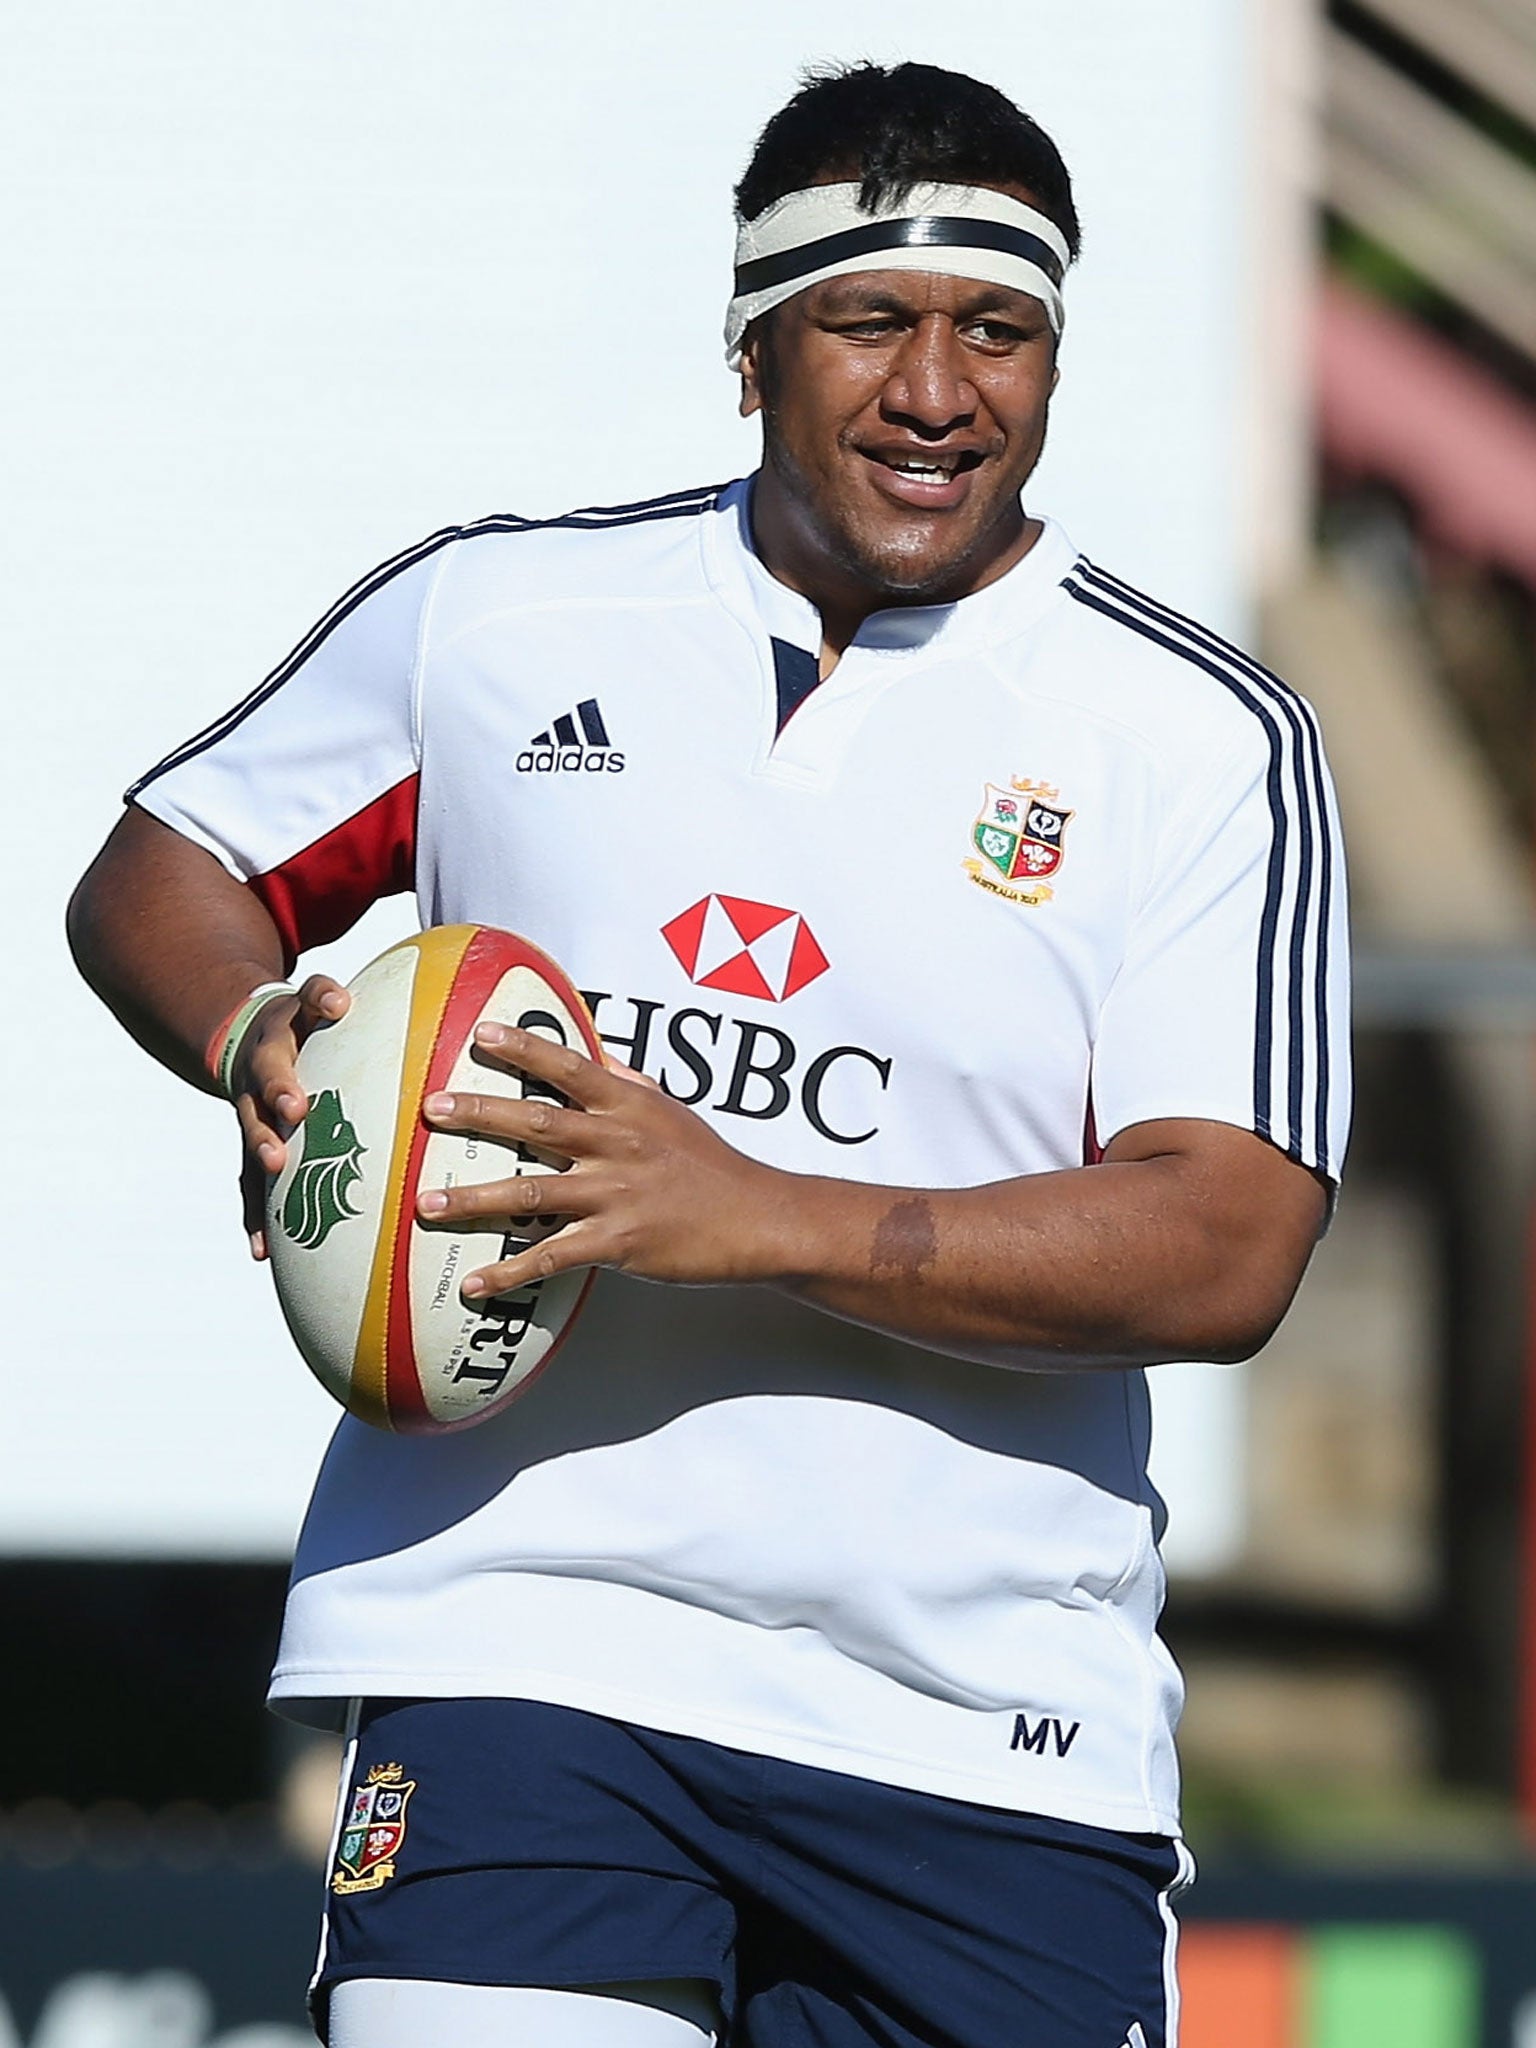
(902, 413)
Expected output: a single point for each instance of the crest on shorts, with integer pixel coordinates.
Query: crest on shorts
(318, 1195)
(372, 1829)
(1019, 834)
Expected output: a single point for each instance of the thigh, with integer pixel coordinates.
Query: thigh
(392, 2012)
(897, 1920)
(491, 1843)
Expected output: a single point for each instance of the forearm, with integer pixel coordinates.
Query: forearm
(1187, 1241)
(169, 940)
(1126, 1263)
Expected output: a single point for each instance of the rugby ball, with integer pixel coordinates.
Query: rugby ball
(371, 1294)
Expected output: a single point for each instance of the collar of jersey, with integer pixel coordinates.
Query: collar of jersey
(995, 612)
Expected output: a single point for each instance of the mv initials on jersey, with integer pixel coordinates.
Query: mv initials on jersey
(1019, 833)
(1032, 1737)
(373, 1831)
(577, 743)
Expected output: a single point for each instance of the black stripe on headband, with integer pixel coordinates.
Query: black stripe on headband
(923, 231)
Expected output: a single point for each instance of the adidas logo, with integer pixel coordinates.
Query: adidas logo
(1136, 2038)
(563, 750)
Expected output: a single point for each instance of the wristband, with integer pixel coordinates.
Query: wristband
(224, 1046)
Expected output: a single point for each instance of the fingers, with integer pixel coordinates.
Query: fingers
(546, 1126)
(253, 1192)
(549, 1126)
(269, 1099)
(262, 1132)
(565, 1252)
(584, 1133)
(511, 1201)
(584, 1081)
(264, 1067)
(321, 1001)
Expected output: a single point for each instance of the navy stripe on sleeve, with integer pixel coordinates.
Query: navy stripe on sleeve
(1297, 907)
(592, 519)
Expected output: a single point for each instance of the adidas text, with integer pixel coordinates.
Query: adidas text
(569, 761)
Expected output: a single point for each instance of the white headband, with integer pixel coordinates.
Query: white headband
(962, 230)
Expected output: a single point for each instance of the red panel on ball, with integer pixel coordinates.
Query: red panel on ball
(489, 956)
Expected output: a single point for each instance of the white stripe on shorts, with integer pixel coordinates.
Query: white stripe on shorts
(348, 1763)
(1183, 1878)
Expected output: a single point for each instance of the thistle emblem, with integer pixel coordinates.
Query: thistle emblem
(327, 1172)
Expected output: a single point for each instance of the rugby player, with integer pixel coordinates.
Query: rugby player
(967, 930)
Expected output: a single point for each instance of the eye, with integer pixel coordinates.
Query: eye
(873, 325)
(997, 334)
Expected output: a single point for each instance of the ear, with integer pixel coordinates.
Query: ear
(752, 371)
(1055, 379)
(750, 379)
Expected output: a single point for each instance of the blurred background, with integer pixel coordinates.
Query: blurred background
(291, 286)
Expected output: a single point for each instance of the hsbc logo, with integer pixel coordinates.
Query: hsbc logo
(744, 1066)
(745, 949)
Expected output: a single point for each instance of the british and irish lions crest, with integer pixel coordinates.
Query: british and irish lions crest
(372, 1830)
(1019, 835)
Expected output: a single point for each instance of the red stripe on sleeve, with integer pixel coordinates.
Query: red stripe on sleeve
(1093, 1151)
(317, 894)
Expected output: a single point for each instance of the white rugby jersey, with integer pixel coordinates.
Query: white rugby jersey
(1024, 871)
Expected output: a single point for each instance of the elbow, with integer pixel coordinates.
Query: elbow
(82, 922)
(93, 919)
(1238, 1317)
(1235, 1228)
(1234, 1345)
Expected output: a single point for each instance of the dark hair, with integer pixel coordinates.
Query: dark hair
(893, 127)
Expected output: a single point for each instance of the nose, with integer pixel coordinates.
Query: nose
(928, 387)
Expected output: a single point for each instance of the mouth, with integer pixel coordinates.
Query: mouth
(933, 478)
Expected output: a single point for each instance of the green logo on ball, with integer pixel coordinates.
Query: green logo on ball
(327, 1171)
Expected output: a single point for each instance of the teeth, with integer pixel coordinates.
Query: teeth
(930, 472)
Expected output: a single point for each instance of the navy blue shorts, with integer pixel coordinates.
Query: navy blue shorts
(508, 1842)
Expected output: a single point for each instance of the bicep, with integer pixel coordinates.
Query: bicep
(148, 883)
(169, 938)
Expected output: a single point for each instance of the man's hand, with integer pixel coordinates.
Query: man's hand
(172, 943)
(265, 1084)
(650, 1189)
(1186, 1242)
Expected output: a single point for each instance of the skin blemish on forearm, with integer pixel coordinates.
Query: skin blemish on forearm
(905, 1242)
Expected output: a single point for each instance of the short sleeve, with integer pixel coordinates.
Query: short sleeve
(1232, 998)
(307, 790)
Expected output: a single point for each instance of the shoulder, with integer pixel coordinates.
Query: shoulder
(646, 550)
(1189, 690)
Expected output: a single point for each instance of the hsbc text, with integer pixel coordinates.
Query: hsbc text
(750, 1069)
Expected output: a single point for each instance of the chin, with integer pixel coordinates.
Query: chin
(935, 588)
(905, 576)
(925, 560)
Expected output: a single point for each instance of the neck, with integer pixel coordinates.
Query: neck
(792, 548)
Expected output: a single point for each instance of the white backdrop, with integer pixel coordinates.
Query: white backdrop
(292, 284)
